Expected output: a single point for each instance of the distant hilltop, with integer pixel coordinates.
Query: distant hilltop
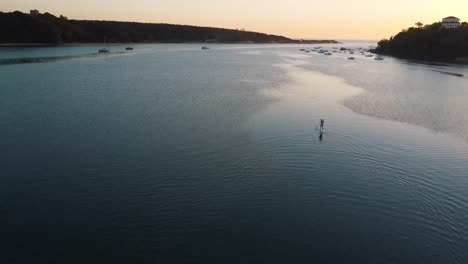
(37, 28)
(445, 40)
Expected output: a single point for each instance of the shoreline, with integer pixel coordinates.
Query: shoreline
(154, 43)
(14, 61)
(426, 60)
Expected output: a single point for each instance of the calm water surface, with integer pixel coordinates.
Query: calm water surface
(171, 154)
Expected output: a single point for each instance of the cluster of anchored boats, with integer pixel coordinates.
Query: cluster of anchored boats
(363, 52)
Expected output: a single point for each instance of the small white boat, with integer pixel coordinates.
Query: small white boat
(103, 50)
(369, 55)
(378, 58)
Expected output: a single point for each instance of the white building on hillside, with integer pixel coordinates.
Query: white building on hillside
(451, 22)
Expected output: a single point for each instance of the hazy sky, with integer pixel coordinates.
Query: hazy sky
(335, 19)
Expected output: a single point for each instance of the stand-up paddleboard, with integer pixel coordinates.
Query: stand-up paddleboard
(319, 130)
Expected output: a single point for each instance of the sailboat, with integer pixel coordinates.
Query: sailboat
(104, 50)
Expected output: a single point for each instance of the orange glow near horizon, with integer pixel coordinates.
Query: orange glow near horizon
(332, 19)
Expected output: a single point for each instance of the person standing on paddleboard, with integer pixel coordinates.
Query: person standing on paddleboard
(321, 124)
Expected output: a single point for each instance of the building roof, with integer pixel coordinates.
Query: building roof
(452, 17)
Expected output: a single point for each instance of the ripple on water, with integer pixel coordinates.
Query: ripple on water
(390, 175)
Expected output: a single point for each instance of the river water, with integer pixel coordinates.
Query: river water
(174, 154)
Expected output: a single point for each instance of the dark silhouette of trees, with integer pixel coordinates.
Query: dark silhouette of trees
(431, 42)
(419, 24)
(45, 28)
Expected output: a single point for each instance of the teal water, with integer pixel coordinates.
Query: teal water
(175, 154)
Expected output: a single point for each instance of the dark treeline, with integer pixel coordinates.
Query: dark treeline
(432, 42)
(20, 28)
